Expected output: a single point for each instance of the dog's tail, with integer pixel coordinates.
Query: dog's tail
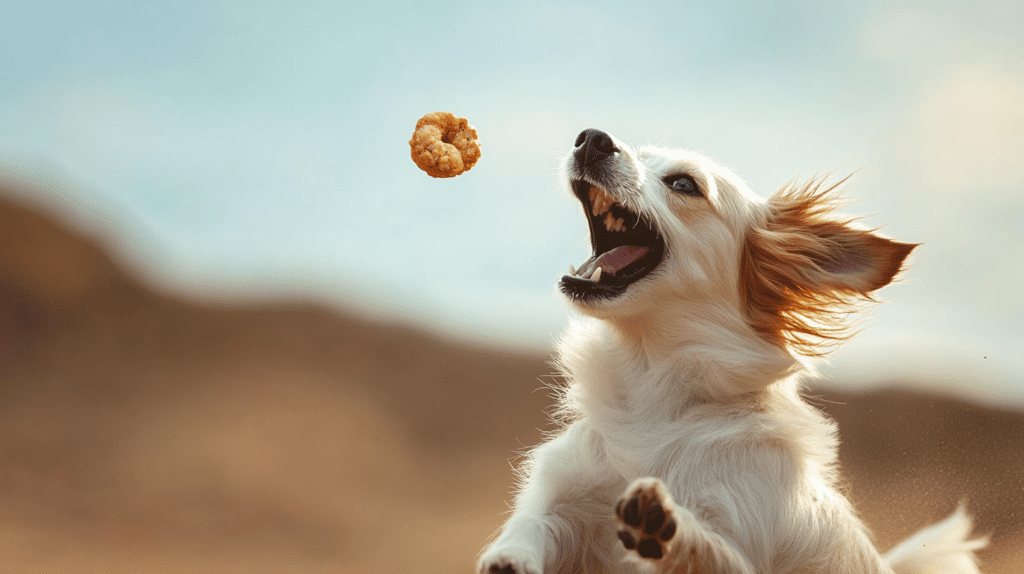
(940, 548)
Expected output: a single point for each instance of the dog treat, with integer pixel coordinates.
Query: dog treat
(444, 145)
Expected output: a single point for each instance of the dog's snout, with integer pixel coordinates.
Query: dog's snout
(593, 145)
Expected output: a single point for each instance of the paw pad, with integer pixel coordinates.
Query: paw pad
(646, 522)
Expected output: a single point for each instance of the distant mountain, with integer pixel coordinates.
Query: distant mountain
(141, 430)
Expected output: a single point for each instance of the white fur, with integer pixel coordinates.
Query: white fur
(670, 382)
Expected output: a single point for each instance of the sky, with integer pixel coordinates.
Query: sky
(249, 151)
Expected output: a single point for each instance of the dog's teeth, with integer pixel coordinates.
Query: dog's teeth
(600, 203)
(609, 222)
(596, 276)
(572, 270)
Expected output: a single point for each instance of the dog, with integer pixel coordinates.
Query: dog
(685, 445)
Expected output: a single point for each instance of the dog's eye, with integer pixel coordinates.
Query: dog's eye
(683, 184)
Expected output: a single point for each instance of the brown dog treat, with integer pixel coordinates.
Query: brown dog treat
(444, 145)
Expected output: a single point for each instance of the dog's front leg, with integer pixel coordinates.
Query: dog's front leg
(554, 503)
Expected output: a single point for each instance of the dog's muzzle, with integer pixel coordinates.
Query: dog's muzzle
(626, 247)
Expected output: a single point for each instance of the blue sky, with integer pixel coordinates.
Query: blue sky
(250, 150)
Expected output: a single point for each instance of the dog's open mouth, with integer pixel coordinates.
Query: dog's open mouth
(626, 247)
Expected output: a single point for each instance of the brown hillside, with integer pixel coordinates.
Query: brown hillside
(140, 432)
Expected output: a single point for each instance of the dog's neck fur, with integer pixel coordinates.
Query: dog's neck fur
(646, 377)
(708, 347)
(699, 353)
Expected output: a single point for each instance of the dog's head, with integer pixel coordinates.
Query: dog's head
(672, 230)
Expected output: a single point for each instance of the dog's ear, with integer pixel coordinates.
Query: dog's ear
(804, 268)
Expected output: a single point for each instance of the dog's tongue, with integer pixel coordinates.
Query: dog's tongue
(614, 260)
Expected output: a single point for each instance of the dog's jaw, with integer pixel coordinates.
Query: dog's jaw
(625, 248)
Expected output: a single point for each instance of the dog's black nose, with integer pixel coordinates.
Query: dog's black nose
(593, 145)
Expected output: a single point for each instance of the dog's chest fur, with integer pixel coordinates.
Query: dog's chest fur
(649, 423)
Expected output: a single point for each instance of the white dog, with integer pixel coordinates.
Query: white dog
(686, 445)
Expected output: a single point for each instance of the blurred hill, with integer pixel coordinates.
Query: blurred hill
(143, 432)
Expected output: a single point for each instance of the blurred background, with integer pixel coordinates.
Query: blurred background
(240, 331)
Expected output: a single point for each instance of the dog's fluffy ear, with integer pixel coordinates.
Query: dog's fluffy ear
(804, 269)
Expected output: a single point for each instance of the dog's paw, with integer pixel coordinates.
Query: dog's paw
(646, 519)
(507, 563)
